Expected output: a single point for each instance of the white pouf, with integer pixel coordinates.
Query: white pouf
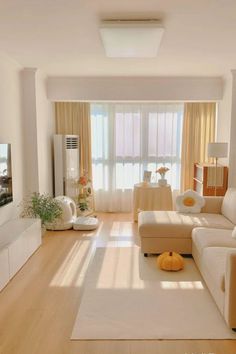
(85, 223)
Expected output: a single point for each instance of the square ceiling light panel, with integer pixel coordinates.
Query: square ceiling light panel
(131, 39)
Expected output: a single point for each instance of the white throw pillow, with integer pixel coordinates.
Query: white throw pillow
(189, 202)
(234, 232)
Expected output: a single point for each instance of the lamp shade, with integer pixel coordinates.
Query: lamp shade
(217, 150)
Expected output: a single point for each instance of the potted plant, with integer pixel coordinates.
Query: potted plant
(84, 193)
(41, 206)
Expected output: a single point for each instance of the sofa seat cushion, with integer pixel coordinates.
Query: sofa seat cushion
(214, 260)
(177, 225)
(207, 237)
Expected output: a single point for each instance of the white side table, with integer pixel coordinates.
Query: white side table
(151, 196)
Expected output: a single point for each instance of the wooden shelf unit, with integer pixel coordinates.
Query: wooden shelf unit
(201, 176)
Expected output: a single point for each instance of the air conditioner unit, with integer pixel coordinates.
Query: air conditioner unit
(66, 165)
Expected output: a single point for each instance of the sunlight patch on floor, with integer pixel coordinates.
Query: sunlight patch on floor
(120, 229)
(125, 274)
(73, 269)
(185, 285)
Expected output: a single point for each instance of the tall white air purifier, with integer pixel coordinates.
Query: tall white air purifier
(66, 165)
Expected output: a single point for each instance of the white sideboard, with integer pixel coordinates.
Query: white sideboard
(19, 239)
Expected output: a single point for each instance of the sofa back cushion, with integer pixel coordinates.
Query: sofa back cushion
(228, 208)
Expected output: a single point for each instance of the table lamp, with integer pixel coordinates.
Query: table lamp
(217, 150)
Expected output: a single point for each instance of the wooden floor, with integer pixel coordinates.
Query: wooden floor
(38, 307)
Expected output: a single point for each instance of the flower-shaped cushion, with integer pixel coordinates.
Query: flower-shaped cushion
(189, 202)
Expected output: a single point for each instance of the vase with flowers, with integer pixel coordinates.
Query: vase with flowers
(162, 172)
(84, 193)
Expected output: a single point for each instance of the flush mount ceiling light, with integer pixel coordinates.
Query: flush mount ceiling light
(131, 38)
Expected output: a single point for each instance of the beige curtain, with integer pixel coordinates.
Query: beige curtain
(198, 131)
(74, 118)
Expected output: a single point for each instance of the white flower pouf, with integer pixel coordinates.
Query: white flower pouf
(85, 223)
(189, 202)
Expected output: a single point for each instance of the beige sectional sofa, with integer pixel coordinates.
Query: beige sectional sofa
(208, 237)
(214, 252)
(164, 230)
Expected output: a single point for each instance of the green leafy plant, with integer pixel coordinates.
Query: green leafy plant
(41, 206)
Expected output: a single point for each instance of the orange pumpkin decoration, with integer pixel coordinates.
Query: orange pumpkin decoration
(171, 261)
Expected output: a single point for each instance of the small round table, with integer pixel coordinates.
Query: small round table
(151, 196)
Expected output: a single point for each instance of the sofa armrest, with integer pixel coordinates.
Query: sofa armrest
(230, 289)
(212, 205)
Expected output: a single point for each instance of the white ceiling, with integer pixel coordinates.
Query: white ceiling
(62, 38)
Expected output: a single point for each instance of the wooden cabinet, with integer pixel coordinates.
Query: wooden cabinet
(204, 179)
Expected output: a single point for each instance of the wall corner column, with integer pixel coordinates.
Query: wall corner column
(30, 147)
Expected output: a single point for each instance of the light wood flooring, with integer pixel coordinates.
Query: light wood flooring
(38, 307)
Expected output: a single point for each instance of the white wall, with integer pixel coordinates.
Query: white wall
(135, 89)
(224, 115)
(45, 131)
(11, 129)
(226, 127)
(232, 150)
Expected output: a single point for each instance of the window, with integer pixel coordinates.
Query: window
(128, 139)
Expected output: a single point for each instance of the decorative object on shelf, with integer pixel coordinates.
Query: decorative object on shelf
(162, 172)
(217, 150)
(68, 217)
(147, 177)
(189, 202)
(84, 192)
(41, 206)
(170, 261)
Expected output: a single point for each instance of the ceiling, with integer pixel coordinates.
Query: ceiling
(62, 38)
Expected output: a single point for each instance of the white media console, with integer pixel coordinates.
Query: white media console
(19, 239)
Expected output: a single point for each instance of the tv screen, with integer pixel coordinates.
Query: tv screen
(6, 195)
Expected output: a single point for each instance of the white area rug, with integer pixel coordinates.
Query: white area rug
(127, 297)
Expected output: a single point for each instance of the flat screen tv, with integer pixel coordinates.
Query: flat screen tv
(6, 195)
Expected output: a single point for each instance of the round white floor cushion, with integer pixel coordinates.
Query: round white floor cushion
(85, 223)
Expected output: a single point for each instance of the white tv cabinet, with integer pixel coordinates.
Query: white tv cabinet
(19, 239)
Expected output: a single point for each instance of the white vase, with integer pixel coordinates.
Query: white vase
(162, 182)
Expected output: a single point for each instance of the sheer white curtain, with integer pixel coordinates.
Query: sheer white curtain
(128, 139)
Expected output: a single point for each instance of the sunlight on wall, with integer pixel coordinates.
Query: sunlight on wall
(73, 268)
